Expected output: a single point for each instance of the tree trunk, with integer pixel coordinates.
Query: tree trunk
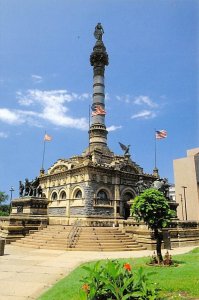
(158, 237)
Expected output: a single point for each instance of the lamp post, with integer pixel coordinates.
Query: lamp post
(11, 190)
(182, 206)
(185, 201)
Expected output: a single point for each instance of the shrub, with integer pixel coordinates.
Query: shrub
(116, 281)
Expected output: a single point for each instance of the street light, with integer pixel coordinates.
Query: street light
(182, 206)
(185, 201)
(11, 190)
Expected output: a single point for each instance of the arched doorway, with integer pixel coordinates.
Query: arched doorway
(125, 205)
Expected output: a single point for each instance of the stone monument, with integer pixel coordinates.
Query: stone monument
(97, 185)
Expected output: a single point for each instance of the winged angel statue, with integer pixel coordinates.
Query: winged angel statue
(125, 148)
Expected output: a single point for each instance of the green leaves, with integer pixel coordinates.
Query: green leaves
(4, 209)
(153, 208)
(116, 281)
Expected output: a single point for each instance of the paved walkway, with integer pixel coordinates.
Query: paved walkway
(26, 273)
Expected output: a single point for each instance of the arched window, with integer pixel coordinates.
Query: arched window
(54, 196)
(125, 205)
(102, 195)
(102, 198)
(78, 194)
(63, 195)
(127, 196)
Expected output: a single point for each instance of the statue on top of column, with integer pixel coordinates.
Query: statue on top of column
(99, 31)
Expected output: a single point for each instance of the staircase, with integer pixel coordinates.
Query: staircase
(77, 238)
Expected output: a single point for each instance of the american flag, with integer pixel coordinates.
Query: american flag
(98, 110)
(160, 134)
(47, 138)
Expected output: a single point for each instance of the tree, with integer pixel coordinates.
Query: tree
(153, 208)
(4, 209)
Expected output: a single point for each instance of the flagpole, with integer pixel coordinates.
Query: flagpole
(44, 149)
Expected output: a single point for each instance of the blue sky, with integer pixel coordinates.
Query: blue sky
(46, 80)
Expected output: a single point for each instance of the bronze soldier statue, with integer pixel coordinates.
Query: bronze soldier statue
(21, 188)
(99, 31)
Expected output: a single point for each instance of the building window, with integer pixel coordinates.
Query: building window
(63, 195)
(78, 194)
(102, 195)
(102, 198)
(54, 196)
(127, 197)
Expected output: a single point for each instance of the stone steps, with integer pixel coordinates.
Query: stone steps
(86, 239)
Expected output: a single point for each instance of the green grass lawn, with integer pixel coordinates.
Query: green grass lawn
(181, 282)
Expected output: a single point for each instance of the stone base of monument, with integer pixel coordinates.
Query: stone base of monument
(184, 233)
(86, 221)
(29, 205)
(28, 214)
(16, 227)
(179, 234)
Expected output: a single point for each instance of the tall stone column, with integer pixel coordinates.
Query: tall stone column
(98, 59)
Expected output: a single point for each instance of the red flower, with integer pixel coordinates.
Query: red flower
(127, 266)
(86, 288)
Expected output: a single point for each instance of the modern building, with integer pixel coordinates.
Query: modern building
(186, 176)
(172, 193)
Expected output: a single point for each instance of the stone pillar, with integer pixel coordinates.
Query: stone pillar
(116, 196)
(98, 59)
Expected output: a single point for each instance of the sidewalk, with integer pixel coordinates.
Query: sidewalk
(26, 273)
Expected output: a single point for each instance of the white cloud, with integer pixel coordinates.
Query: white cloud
(107, 97)
(52, 97)
(119, 98)
(48, 105)
(84, 96)
(139, 100)
(52, 105)
(3, 135)
(113, 128)
(145, 100)
(22, 100)
(145, 114)
(37, 78)
(126, 98)
(10, 117)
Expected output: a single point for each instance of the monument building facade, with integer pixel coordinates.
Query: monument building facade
(97, 185)
(94, 187)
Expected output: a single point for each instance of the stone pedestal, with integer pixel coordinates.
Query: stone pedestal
(28, 214)
(178, 234)
(29, 206)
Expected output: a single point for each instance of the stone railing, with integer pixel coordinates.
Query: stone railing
(177, 234)
(74, 234)
(102, 202)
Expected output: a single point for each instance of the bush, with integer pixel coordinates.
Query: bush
(116, 281)
(4, 214)
(4, 210)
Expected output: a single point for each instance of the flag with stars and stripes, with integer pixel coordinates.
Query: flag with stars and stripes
(98, 110)
(160, 134)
